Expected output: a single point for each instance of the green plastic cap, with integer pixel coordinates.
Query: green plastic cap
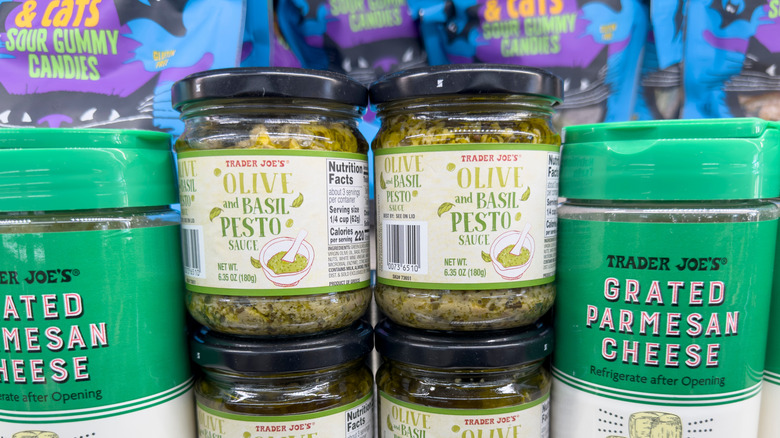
(672, 160)
(77, 169)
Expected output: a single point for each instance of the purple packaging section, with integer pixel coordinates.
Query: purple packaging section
(594, 46)
(108, 64)
(364, 39)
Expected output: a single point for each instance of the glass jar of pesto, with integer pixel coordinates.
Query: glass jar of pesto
(666, 248)
(91, 283)
(273, 177)
(438, 384)
(310, 386)
(466, 171)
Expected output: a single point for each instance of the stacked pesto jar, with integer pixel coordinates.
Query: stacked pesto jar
(90, 273)
(270, 159)
(273, 177)
(472, 384)
(285, 386)
(466, 171)
(666, 249)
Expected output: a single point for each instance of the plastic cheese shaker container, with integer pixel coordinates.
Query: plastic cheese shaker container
(90, 273)
(665, 257)
(273, 178)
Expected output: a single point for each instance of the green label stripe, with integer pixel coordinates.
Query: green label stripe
(656, 399)
(465, 286)
(274, 152)
(469, 147)
(755, 375)
(445, 411)
(97, 413)
(277, 292)
(772, 377)
(299, 417)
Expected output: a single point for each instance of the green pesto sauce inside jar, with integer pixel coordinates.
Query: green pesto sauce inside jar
(277, 394)
(464, 389)
(278, 315)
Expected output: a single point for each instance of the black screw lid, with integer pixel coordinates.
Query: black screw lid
(251, 355)
(466, 79)
(267, 82)
(463, 350)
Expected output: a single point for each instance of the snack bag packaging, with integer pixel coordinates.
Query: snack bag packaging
(731, 53)
(364, 39)
(594, 46)
(660, 94)
(256, 47)
(755, 91)
(108, 63)
(263, 45)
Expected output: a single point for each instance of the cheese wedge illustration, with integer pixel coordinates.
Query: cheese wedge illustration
(35, 434)
(654, 425)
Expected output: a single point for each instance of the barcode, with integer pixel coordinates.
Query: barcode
(403, 244)
(405, 249)
(192, 250)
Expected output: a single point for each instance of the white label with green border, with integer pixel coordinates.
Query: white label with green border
(243, 210)
(399, 419)
(450, 216)
(355, 420)
(93, 340)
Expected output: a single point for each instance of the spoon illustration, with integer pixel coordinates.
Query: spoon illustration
(519, 244)
(290, 256)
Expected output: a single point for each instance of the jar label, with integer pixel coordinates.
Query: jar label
(398, 418)
(355, 420)
(242, 211)
(449, 217)
(661, 326)
(93, 334)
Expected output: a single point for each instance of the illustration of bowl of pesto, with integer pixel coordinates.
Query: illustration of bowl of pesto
(286, 260)
(510, 264)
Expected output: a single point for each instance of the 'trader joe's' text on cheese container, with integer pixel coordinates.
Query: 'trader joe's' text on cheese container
(273, 176)
(665, 258)
(91, 280)
(466, 171)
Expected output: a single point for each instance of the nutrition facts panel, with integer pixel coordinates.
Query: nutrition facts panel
(348, 214)
(551, 210)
